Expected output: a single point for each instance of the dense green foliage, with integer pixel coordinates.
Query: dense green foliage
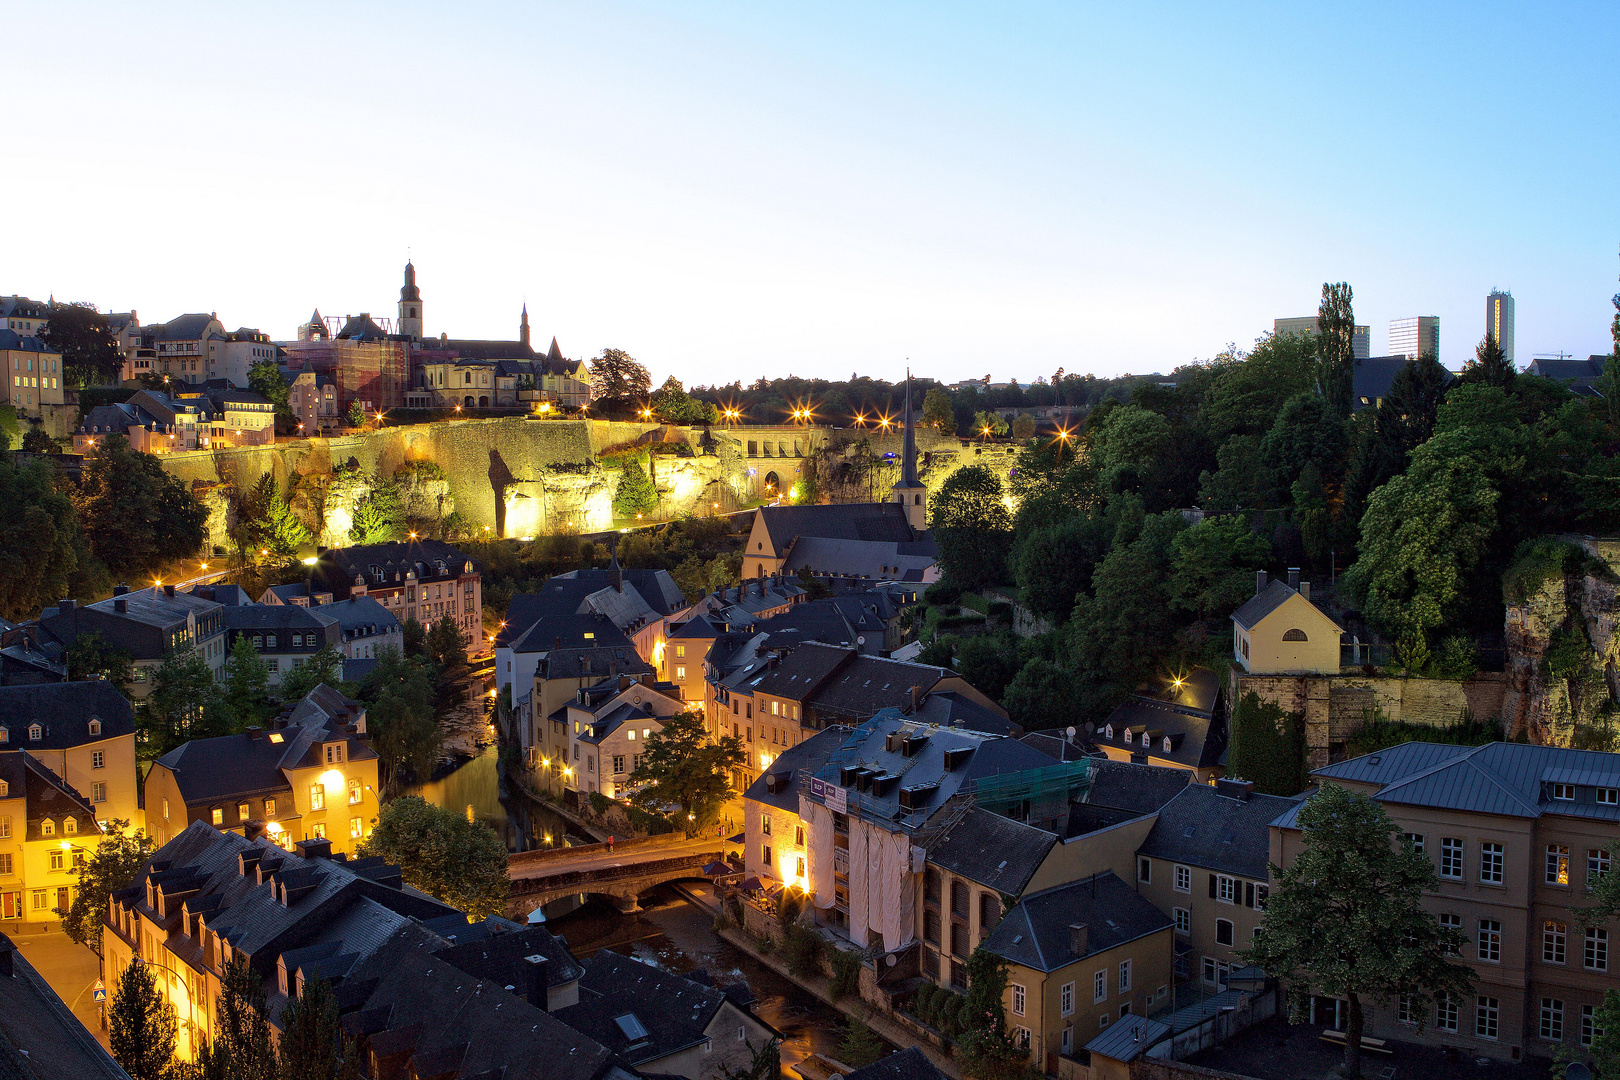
(266, 380)
(90, 355)
(1268, 747)
(41, 530)
(136, 515)
(988, 1049)
(141, 1026)
(681, 767)
(618, 382)
(448, 857)
(972, 527)
(673, 405)
(859, 1045)
(635, 493)
(241, 1048)
(1378, 733)
(311, 1046)
(1346, 917)
(113, 866)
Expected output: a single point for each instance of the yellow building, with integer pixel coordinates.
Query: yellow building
(311, 776)
(1081, 957)
(1279, 631)
(84, 732)
(47, 833)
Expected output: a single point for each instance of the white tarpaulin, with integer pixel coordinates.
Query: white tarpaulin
(899, 893)
(857, 882)
(819, 851)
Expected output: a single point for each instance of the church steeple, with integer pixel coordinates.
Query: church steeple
(909, 491)
(410, 305)
(523, 327)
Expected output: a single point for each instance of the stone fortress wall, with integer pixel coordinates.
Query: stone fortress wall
(519, 477)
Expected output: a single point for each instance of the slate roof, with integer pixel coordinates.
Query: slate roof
(1511, 779)
(700, 627)
(418, 556)
(1197, 693)
(486, 349)
(893, 560)
(40, 1038)
(1196, 741)
(21, 307)
(1035, 933)
(801, 759)
(222, 768)
(995, 851)
(502, 959)
(272, 617)
(839, 521)
(47, 795)
(359, 616)
(1581, 376)
(584, 663)
(908, 1064)
(1206, 828)
(361, 328)
(656, 587)
(1143, 789)
(1055, 745)
(1129, 1039)
(948, 708)
(1261, 604)
(673, 1011)
(817, 620)
(181, 328)
(63, 711)
(12, 341)
(797, 674)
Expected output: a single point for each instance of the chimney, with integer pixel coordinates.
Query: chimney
(168, 590)
(1293, 578)
(916, 698)
(1259, 582)
(66, 605)
(537, 981)
(253, 731)
(120, 589)
(1305, 589)
(253, 829)
(1077, 939)
(1235, 789)
(315, 849)
(121, 605)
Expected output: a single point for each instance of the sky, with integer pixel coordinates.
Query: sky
(734, 190)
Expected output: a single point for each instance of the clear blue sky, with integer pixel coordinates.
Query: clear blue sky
(730, 190)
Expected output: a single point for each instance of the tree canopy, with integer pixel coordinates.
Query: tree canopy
(440, 852)
(680, 766)
(90, 355)
(1346, 917)
(972, 527)
(617, 381)
(136, 515)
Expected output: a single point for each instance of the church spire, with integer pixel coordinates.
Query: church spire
(909, 492)
(410, 305)
(523, 327)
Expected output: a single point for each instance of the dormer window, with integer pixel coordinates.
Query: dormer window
(334, 753)
(47, 827)
(5, 734)
(1167, 744)
(1109, 731)
(95, 727)
(35, 733)
(5, 790)
(467, 569)
(70, 826)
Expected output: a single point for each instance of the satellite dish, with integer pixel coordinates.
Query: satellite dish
(1071, 731)
(860, 640)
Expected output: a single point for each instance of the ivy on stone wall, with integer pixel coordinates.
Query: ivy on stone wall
(1268, 746)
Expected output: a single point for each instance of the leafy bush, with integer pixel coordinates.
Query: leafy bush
(846, 974)
(1268, 746)
(600, 802)
(975, 602)
(1569, 648)
(1457, 658)
(1535, 563)
(802, 949)
(1380, 733)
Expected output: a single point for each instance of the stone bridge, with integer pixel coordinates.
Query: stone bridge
(621, 872)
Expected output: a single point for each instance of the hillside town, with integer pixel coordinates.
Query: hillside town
(405, 694)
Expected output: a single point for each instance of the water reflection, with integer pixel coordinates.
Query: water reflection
(469, 787)
(677, 936)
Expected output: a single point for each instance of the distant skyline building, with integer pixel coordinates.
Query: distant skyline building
(1413, 337)
(1360, 339)
(1499, 320)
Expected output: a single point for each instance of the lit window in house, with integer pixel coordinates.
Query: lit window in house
(317, 797)
(354, 792)
(217, 815)
(1557, 864)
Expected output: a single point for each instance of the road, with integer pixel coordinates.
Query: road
(597, 857)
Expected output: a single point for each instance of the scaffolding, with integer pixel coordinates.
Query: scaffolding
(1014, 794)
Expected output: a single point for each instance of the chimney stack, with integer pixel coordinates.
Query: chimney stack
(120, 589)
(1305, 589)
(168, 590)
(916, 698)
(1293, 578)
(1259, 582)
(1235, 789)
(537, 981)
(1077, 939)
(253, 731)
(121, 604)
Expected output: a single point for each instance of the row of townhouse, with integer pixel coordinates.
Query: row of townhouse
(420, 989)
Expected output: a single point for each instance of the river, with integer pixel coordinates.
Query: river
(669, 932)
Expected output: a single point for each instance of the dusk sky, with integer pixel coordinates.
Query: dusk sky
(735, 190)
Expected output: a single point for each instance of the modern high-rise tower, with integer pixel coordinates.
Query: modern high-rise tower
(1499, 320)
(1415, 337)
(1360, 337)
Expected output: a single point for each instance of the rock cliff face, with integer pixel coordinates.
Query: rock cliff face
(1562, 649)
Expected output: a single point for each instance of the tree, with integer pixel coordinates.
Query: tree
(185, 703)
(988, 424)
(415, 636)
(311, 1046)
(635, 493)
(90, 355)
(1038, 695)
(90, 656)
(860, 1045)
(1123, 631)
(1346, 918)
(938, 413)
(247, 683)
(972, 527)
(401, 716)
(141, 1026)
(35, 441)
(356, 416)
(114, 865)
(241, 1048)
(460, 862)
(137, 516)
(616, 379)
(680, 766)
(1490, 365)
(272, 525)
(989, 1051)
(379, 518)
(675, 406)
(1214, 565)
(325, 665)
(266, 380)
(1268, 746)
(1023, 427)
(1335, 344)
(764, 1064)
(40, 530)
